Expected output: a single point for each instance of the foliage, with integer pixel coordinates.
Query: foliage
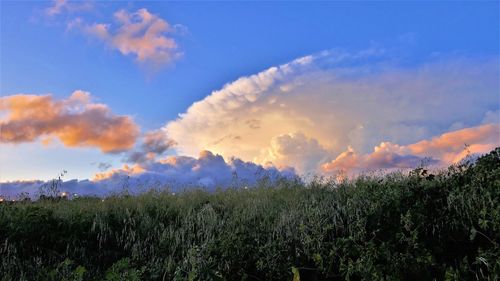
(416, 226)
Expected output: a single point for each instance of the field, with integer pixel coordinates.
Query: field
(400, 226)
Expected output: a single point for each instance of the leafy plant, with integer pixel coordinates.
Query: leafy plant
(421, 225)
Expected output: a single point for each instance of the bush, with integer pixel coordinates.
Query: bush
(419, 226)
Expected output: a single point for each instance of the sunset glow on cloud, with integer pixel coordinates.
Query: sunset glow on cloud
(446, 149)
(75, 121)
(140, 34)
(449, 147)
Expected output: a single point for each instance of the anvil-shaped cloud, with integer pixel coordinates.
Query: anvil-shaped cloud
(307, 112)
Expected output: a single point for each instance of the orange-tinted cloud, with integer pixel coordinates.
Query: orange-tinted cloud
(129, 170)
(141, 34)
(75, 121)
(450, 147)
(384, 156)
(445, 149)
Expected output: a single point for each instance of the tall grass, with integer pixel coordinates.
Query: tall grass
(395, 227)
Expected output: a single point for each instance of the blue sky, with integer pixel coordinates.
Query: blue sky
(221, 42)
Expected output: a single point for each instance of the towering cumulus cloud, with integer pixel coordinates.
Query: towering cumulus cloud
(307, 112)
(75, 121)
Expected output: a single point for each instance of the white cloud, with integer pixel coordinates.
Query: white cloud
(336, 100)
(295, 148)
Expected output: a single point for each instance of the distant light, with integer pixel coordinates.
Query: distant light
(102, 200)
(1, 199)
(64, 194)
(246, 187)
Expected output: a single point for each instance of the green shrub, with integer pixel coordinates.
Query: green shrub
(416, 226)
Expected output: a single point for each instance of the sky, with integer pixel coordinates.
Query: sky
(196, 92)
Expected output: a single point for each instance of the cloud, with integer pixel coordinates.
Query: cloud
(296, 148)
(33, 189)
(56, 8)
(103, 166)
(64, 6)
(208, 171)
(491, 117)
(445, 149)
(75, 121)
(141, 34)
(154, 144)
(387, 156)
(144, 35)
(450, 147)
(337, 99)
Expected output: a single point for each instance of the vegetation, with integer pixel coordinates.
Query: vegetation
(416, 226)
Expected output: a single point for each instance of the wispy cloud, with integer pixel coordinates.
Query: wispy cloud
(65, 6)
(75, 121)
(103, 166)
